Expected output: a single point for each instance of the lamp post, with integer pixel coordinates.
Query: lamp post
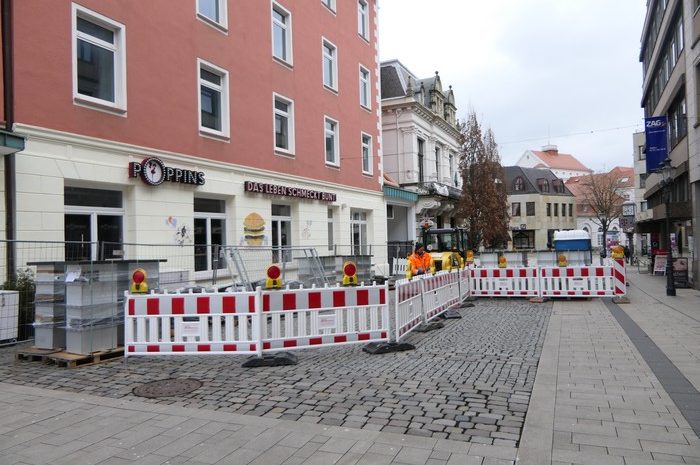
(667, 171)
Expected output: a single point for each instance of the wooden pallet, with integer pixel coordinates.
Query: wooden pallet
(34, 354)
(69, 360)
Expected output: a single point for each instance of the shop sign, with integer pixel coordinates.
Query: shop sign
(285, 191)
(153, 172)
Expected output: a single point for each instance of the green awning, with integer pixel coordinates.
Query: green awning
(402, 194)
(10, 143)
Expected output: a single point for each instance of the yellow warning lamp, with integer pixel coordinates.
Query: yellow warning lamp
(470, 257)
(618, 252)
(502, 263)
(349, 274)
(273, 280)
(138, 281)
(562, 260)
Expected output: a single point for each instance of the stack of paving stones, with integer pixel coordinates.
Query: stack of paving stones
(469, 381)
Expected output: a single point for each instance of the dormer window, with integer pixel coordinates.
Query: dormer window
(518, 184)
(543, 185)
(558, 186)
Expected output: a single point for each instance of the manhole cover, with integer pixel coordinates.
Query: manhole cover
(167, 388)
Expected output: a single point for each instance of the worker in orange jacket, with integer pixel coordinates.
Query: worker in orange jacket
(419, 261)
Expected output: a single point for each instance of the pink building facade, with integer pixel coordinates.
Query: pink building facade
(138, 114)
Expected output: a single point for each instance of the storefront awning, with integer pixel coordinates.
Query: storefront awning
(10, 143)
(401, 194)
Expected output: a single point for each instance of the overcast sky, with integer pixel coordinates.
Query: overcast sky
(565, 72)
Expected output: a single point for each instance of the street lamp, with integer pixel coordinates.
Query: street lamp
(667, 171)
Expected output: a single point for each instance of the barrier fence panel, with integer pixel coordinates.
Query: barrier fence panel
(578, 281)
(302, 318)
(254, 322)
(441, 292)
(500, 282)
(408, 304)
(215, 323)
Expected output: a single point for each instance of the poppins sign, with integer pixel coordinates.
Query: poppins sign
(656, 132)
(153, 172)
(285, 191)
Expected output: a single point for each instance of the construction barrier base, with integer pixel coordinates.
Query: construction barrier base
(451, 315)
(271, 360)
(430, 326)
(379, 348)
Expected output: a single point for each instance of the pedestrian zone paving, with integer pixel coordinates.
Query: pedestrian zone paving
(511, 382)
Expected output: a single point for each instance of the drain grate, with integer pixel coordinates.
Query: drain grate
(167, 388)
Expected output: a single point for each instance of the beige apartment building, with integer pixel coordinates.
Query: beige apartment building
(540, 204)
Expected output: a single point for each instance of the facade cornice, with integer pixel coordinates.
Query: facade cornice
(421, 111)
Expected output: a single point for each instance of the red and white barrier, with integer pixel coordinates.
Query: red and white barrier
(424, 297)
(216, 323)
(408, 305)
(580, 281)
(504, 282)
(254, 322)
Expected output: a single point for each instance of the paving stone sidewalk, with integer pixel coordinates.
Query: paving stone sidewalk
(470, 381)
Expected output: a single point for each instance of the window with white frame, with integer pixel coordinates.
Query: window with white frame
(331, 138)
(363, 19)
(213, 99)
(93, 223)
(213, 11)
(358, 232)
(365, 89)
(281, 233)
(209, 233)
(330, 4)
(452, 168)
(99, 73)
(330, 65)
(284, 124)
(366, 153)
(281, 33)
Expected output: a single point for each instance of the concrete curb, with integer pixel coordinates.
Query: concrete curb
(538, 431)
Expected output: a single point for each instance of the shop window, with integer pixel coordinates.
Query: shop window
(358, 232)
(281, 233)
(93, 224)
(209, 234)
(99, 75)
(523, 239)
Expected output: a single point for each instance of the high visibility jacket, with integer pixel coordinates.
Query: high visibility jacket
(420, 263)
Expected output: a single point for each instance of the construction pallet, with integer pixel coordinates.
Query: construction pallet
(34, 354)
(66, 359)
(69, 360)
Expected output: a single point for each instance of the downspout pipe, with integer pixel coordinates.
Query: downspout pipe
(9, 160)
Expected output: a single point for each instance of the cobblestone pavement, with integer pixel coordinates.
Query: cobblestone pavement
(469, 381)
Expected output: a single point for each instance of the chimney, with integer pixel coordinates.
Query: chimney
(550, 148)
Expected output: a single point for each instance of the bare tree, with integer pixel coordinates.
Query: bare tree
(483, 204)
(602, 193)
